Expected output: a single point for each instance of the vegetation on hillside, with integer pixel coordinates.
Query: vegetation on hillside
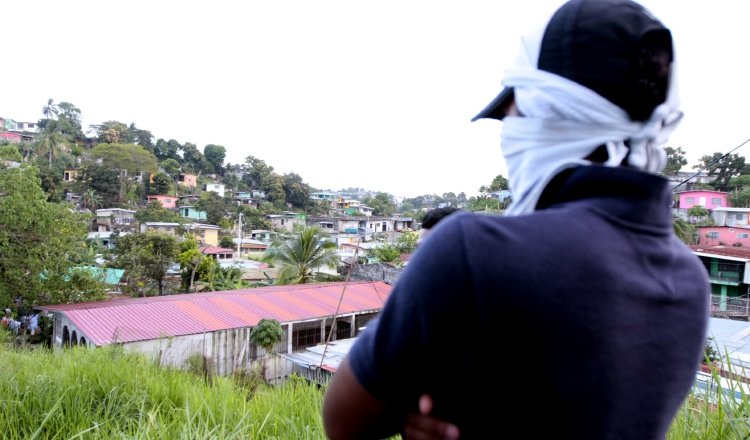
(109, 393)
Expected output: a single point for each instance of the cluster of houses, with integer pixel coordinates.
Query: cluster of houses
(14, 131)
(217, 325)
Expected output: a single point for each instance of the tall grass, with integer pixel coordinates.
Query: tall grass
(721, 410)
(106, 393)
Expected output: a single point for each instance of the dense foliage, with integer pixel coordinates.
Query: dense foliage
(41, 243)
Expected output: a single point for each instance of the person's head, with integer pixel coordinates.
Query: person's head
(595, 84)
(615, 48)
(432, 218)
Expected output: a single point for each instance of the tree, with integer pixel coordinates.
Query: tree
(129, 157)
(675, 161)
(296, 191)
(91, 200)
(266, 334)
(145, 257)
(162, 183)
(104, 180)
(302, 255)
(192, 157)
(387, 253)
(144, 138)
(112, 132)
(499, 183)
(698, 211)
(253, 219)
(231, 182)
(741, 198)
(50, 141)
(407, 242)
(215, 155)
(258, 175)
(275, 191)
(50, 110)
(11, 153)
(69, 121)
(167, 149)
(171, 167)
(724, 167)
(684, 231)
(381, 204)
(40, 245)
(193, 264)
(215, 206)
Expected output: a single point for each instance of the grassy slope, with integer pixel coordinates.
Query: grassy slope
(106, 393)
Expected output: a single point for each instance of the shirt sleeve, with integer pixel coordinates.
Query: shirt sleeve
(391, 355)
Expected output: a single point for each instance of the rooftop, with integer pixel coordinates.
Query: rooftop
(137, 319)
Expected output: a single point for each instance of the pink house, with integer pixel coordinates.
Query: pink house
(705, 198)
(166, 201)
(10, 137)
(724, 235)
(189, 180)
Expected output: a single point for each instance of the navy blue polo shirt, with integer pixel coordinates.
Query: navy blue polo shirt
(585, 319)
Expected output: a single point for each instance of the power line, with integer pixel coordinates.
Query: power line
(715, 161)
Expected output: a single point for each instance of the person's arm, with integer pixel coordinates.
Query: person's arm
(350, 412)
(382, 378)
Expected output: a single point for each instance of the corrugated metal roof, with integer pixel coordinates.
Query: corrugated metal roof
(729, 251)
(135, 319)
(312, 356)
(214, 250)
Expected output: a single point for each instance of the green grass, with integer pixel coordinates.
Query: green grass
(107, 393)
(714, 418)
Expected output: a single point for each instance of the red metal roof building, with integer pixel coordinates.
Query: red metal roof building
(134, 319)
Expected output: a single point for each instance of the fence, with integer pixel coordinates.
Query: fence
(730, 307)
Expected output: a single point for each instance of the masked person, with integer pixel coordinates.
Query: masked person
(580, 315)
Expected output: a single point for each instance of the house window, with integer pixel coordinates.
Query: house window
(744, 235)
(282, 222)
(740, 216)
(716, 201)
(689, 200)
(712, 234)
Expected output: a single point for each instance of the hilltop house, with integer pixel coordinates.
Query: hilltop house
(217, 188)
(188, 180)
(165, 201)
(705, 198)
(192, 213)
(207, 235)
(217, 253)
(114, 219)
(287, 220)
(217, 325)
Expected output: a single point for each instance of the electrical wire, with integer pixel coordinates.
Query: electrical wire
(715, 161)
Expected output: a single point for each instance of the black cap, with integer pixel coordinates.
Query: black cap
(614, 47)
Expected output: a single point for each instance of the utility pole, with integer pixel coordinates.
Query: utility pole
(239, 237)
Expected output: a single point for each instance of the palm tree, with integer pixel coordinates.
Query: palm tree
(50, 142)
(91, 200)
(51, 109)
(685, 231)
(301, 256)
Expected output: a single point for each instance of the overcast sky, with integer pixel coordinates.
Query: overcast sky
(377, 95)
